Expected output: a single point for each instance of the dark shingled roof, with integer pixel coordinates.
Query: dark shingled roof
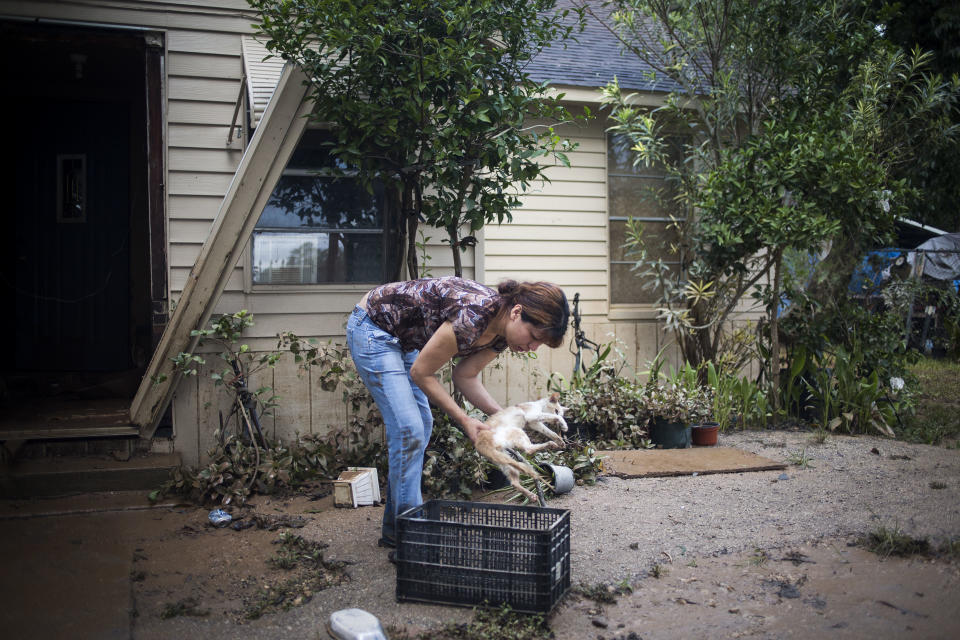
(593, 60)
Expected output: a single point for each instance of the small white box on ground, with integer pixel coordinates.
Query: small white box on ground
(374, 481)
(357, 486)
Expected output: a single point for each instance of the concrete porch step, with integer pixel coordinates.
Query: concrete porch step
(70, 433)
(67, 427)
(67, 475)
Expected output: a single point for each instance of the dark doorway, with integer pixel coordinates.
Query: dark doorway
(80, 181)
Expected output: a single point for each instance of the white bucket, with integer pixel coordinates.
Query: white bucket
(563, 479)
(355, 624)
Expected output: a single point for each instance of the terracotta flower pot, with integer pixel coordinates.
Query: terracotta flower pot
(705, 435)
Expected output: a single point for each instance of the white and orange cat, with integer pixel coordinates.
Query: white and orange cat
(507, 431)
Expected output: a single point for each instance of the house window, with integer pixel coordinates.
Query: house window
(641, 193)
(318, 228)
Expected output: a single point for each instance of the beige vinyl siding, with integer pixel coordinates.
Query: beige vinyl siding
(193, 207)
(197, 160)
(202, 18)
(179, 275)
(559, 232)
(560, 235)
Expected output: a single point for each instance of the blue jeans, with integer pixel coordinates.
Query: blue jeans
(385, 369)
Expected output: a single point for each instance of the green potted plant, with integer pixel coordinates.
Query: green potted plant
(672, 410)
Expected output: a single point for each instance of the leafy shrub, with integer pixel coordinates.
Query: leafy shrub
(241, 464)
(944, 335)
(735, 400)
(605, 404)
(844, 391)
(833, 357)
(675, 403)
(452, 467)
(841, 367)
(236, 470)
(610, 408)
(580, 457)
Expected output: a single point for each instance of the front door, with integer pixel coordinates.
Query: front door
(71, 249)
(77, 176)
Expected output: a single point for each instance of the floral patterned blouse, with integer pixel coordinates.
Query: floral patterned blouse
(413, 310)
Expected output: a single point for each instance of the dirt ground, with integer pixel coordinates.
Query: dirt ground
(766, 554)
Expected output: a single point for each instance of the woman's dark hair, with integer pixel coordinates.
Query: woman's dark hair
(543, 304)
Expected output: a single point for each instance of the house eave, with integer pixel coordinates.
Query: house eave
(593, 95)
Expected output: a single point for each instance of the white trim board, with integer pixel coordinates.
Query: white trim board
(260, 168)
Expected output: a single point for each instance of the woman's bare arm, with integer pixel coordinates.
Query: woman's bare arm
(441, 347)
(466, 378)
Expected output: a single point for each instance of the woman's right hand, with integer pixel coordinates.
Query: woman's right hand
(472, 426)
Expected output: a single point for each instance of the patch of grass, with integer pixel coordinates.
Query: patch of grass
(800, 459)
(759, 557)
(934, 424)
(890, 541)
(950, 549)
(185, 607)
(937, 403)
(658, 571)
(488, 624)
(937, 378)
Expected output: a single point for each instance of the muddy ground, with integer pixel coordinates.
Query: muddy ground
(766, 554)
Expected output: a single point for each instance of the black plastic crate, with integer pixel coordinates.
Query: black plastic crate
(477, 553)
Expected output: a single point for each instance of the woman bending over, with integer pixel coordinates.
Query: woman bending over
(402, 333)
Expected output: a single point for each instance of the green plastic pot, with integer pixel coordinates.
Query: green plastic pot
(670, 435)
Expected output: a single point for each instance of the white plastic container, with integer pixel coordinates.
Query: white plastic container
(356, 487)
(374, 481)
(355, 624)
(563, 479)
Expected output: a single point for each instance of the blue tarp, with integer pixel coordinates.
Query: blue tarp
(873, 270)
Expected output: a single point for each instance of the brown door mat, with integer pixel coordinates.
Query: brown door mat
(648, 463)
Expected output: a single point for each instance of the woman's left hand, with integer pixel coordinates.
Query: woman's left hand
(472, 426)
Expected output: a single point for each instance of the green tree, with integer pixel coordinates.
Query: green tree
(934, 26)
(431, 99)
(796, 115)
